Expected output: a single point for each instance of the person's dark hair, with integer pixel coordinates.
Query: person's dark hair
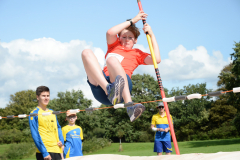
(41, 89)
(133, 29)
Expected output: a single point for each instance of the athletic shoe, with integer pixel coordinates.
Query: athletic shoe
(135, 111)
(115, 90)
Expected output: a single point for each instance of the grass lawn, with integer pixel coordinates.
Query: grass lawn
(146, 149)
(33, 157)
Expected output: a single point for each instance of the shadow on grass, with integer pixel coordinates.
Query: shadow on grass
(213, 143)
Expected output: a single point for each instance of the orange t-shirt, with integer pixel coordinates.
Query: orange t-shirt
(130, 59)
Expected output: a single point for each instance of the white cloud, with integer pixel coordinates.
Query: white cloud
(183, 65)
(28, 64)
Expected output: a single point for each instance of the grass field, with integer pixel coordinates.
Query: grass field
(146, 149)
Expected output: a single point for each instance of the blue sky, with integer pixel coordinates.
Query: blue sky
(41, 41)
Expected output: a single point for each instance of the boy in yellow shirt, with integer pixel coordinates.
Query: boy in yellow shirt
(73, 136)
(46, 131)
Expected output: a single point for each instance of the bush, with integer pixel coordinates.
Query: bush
(144, 137)
(19, 151)
(99, 132)
(9, 136)
(95, 144)
(226, 130)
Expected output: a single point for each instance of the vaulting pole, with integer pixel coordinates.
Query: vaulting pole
(160, 85)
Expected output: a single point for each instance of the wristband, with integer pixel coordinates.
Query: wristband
(154, 129)
(130, 22)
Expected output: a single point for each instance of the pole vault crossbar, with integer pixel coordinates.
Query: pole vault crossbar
(160, 85)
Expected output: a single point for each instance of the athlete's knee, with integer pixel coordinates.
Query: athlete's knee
(112, 61)
(86, 53)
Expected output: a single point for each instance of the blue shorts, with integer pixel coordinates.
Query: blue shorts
(99, 93)
(162, 146)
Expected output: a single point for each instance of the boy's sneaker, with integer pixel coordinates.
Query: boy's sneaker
(135, 111)
(115, 90)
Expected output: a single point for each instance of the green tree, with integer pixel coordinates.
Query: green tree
(229, 78)
(120, 134)
(21, 102)
(73, 100)
(222, 110)
(190, 116)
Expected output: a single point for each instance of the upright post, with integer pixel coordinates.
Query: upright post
(160, 85)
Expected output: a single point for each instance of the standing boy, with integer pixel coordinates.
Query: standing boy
(73, 136)
(162, 141)
(121, 60)
(46, 131)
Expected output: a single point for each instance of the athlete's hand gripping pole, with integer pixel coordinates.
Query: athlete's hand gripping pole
(160, 85)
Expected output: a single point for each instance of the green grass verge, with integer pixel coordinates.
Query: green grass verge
(146, 149)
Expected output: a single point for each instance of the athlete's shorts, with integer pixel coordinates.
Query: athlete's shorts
(99, 93)
(162, 146)
(54, 156)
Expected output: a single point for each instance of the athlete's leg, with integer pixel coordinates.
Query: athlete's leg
(93, 69)
(115, 68)
(96, 77)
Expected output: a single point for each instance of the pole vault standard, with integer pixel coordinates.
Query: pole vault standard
(160, 85)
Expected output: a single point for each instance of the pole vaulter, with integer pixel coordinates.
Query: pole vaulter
(160, 85)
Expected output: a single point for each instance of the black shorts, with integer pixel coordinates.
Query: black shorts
(99, 93)
(55, 156)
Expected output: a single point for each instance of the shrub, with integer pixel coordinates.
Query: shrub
(9, 136)
(144, 137)
(19, 151)
(226, 130)
(99, 132)
(203, 136)
(95, 144)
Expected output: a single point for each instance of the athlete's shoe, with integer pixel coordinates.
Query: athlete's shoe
(135, 111)
(115, 90)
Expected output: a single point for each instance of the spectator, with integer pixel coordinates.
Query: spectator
(160, 124)
(46, 131)
(73, 136)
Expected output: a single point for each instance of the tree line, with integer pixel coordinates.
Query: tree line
(196, 119)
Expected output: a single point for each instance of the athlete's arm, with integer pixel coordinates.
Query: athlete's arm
(48, 157)
(148, 59)
(33, 123)
(112, 32)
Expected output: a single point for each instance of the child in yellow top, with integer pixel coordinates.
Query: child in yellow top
(73, 136)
